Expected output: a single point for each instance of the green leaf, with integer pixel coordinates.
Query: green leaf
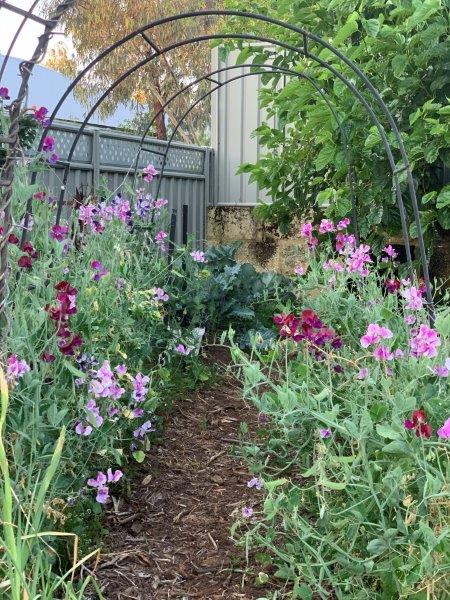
(377, 546)
(243, 55)
(272, 485)
(325, 156)
(74, 370)
(444, 218)
(424, 10)
(399, 63)
(443, 324)
(332, 485)
(346, 30)
(385, 431)
(372, 26)
(443, 198)
(397, 447)
(139, 456)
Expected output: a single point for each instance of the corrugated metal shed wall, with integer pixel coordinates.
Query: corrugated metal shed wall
(235, 115)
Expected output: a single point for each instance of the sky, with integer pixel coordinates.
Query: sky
(26, 43)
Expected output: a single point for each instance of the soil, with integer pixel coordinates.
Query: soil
(172, 540)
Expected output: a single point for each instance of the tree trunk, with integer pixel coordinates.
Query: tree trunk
(160, 125)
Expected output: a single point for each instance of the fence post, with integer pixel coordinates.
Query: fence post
(95, 159)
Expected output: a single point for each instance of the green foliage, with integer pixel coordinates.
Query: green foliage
(362, 513)
(402, 46)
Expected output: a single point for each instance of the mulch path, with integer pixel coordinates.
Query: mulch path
(172, 540)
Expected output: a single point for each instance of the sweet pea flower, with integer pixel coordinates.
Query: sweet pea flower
(255, 482)
(414, 297)
(410, 319)
(343, 224)
(48, 144)
(53, 159)
(325, 433)
(81, 429)
(161, 295)
(299, 270)
(140, 389)
(149, 173)
(247, 512)
(442, 370)
(121, 369)
(382, 353)
(4, 93)
(142, 431)
(182, 349)
(160, 236)
(199, 256)
(306, 230)
(374, 334)
(444, 431)
(59, 232)
(16, 368)
(390, 253)
(326, 226)
(100, 270)
(392, 285)
(419, 424)
(40, 115)
(363, 373)
(424, 342)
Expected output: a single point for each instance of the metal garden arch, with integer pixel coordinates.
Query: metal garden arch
(303, 50)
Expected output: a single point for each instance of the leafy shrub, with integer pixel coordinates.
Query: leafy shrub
(402, 47)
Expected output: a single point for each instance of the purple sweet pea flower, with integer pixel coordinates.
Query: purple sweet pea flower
(247, 512)
(255, 482)
(325, 433)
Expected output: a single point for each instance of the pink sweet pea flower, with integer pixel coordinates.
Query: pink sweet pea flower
(363, 373)
(442, 370)
(306, 230)
(444, 431)
(374, 334)
(181, 349)
(343, 224)
(325, 433)
(84, 430)
(299, 270)
(150, 172)
(247, 512)
(414, 297)
(326, 226)
(424, 342)
(199, 256)
(16, 368)
(48, 144)
(59, 232)
(382, 353)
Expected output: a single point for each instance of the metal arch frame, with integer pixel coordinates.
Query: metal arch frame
(306, 35)
(277, 43)
(268, 69)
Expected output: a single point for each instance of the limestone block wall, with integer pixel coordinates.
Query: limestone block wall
(262, 245)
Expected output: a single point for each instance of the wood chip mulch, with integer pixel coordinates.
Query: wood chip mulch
(172, 540)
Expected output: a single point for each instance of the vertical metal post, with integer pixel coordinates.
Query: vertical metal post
(172, 232)
(184, 224)
(95, 159)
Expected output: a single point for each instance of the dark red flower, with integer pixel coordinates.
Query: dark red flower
(13, 239)
(47, 357)
(30, 250)
(309, 317)
(25, 262)
(392, 285)
(419, 423)
(68, 348)
(288, 325)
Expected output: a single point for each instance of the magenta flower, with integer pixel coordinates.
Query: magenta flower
(414, 297)
(114, 477)
(358, 259)
(160, 236)
(382, 353)
(121, 369)
(59, 232)
(424, 342)
(374, 334)
(313, 242)
(40, 114)
(299, 270)
(247, 512)
(93, 413)
(49, 144)
(16, 368)
(325, 433)
(306, 230)
(182, 349)
(444, 431)
(410, 319)
(99, 483)
(149, 172)
(442, 370)
(100, 270)
(199, 256)
(326, 226)
(343, 224)
(53, 159)
(390, 253)
(4, 93)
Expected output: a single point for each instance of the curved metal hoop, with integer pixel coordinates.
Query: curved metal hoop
(302, 50)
